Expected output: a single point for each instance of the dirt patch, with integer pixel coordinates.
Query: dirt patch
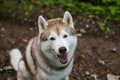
(97, 53)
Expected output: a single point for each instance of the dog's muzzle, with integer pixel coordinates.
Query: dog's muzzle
(63, 55)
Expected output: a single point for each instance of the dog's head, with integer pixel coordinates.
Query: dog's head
(58, 39)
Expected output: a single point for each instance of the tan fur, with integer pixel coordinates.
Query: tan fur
(57, 26)
(41, 59)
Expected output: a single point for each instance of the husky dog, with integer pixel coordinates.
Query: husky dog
(49, 55)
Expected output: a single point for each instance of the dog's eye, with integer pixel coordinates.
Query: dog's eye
(65, 36)
(52, 38)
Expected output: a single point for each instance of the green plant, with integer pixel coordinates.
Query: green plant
(26, 8)
(109, 9)
(8, 7)
(103, 28)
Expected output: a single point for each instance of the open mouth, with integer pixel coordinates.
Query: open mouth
(63, 58)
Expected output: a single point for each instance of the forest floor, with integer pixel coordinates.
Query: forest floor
(97, 54)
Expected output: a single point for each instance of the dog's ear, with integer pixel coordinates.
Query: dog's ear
(42, 23)
(68, 19)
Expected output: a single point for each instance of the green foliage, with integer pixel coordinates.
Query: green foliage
(103, 28)
(109, 9)
(50, 4)
(26, 8)
(24, 1)
(22, 7)
(8, 7)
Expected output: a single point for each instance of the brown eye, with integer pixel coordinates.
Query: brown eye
(52, 38)
(65, 36)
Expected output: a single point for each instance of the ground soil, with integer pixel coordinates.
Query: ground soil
(97, 53)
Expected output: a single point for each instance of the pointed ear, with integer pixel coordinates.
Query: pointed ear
(42, 24)
(68, 19)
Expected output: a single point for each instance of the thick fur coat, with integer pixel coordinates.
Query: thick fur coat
(49, 55)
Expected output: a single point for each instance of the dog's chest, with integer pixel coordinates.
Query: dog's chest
(55, 75)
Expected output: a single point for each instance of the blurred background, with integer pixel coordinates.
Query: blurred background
(28, 10)
(97, 56)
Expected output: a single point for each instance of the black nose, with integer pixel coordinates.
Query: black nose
(62, 50)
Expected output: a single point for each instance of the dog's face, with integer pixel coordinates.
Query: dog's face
(58, 39)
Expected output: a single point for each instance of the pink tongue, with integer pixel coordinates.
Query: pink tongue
(63, 58)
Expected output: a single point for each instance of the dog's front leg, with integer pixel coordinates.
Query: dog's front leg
(20, 76)
(65, 78)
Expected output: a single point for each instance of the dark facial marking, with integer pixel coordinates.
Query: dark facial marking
(43, 36)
